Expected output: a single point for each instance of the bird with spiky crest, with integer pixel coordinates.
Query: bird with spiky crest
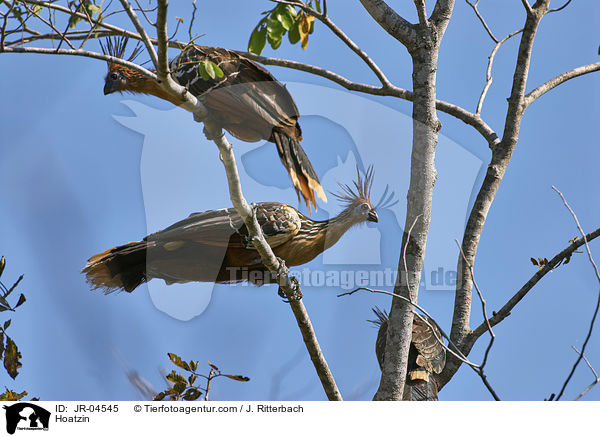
(426, 356)
(215, 246)
(243, 98)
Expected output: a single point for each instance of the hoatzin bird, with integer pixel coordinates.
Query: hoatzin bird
(426, 357)
(214, 246)
(247, 101)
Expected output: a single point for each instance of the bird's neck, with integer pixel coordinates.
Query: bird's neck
(337, 226)
(149, 86)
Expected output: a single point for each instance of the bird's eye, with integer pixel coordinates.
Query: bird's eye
(364, 206)
(114, 76)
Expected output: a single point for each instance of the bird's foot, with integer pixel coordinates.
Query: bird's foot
(296, 292)
(293, 283)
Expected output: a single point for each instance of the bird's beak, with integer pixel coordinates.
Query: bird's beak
(373, 217)
(108, 88)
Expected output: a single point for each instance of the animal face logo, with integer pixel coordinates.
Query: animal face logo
(24, 415)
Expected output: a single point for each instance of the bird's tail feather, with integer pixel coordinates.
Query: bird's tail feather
(305, 179)
(122, 267)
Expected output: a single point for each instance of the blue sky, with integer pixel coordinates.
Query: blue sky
(81, 172)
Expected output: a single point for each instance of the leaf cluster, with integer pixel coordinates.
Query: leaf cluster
(190, 389)
(282, 19)
(8, 348)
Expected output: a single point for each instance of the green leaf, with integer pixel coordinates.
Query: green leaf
(286, 20)
(318, 5)
(179, 387)
(11, 358)
(175, 377)
(238, 378)
(213, 366)
(193, 365)
(21, 300)
(175, 359)
(1, 344)
(294, 33)
(274, 41)
(258, 40)
(534, 261)
(192, 379)
(274, 27)
(160, 396)
(6, 324)
(202, 71)
(192, 394)
(2, 265)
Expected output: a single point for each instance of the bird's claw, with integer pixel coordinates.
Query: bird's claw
(296, 292)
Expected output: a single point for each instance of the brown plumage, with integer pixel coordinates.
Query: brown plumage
(426, 356)
(247, 101)
(213, 246)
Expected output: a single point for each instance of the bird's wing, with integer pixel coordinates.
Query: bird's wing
(224, 227)
(432, 355)
(247, 100)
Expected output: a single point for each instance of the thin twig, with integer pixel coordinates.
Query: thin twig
(453, 350)
(421, 12)
(488, 72)
(560, 8)
(596, 378)
(194, 10)
(591, 327)
(322, 17)
(487, 29)
(519, 295)
(483, 307)
(145, 38)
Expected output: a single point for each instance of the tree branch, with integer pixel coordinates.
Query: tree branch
(596, 377)
(391, 22)
(161, 33)
(504, 312)
(138, 26)
(501, 155)
(421, 12)
(595, 314)
(482, 20)
(488, 72)
(561, 78)
(345, 39)
(279, 270)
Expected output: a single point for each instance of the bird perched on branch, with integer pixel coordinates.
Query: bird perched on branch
(241, 97)
(215, 246)
(426, 356)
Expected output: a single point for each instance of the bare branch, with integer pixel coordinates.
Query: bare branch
(391, 22)
(84, 53)
(488, 73)
(591, 327)
(560, 8)
(421, 12)
(138, 26)
(501, 155)
(519, 295)
(451, 348)
(291, 288)
(596, 378)
(483, 308)
(345, 39)
(486, 27)
(465, 116)
(194, 10)
(561, 78)
(161, 33)
(527, 6)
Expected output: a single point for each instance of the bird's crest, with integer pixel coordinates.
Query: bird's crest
(116, 46)
(382, 317)
(361, 190)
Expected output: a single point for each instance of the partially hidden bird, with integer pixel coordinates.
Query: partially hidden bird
(246, 100)
(426, 356)
(215, 246)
